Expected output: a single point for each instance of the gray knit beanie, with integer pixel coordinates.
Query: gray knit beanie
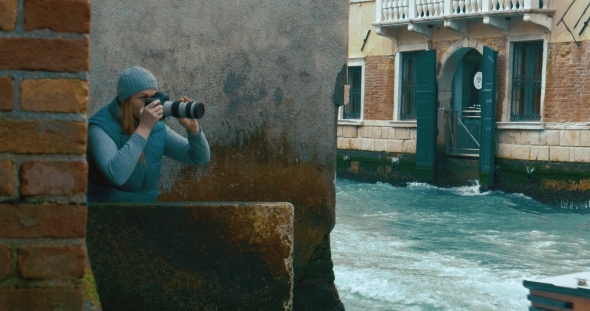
(133, 80)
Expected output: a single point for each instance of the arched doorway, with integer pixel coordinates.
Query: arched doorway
(463, 118)
(467, 109)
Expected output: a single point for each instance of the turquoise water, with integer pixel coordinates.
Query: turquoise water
(426, 248)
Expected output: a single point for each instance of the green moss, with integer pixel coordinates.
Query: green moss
(90, 292)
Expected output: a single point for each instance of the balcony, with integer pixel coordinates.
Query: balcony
(418, 15)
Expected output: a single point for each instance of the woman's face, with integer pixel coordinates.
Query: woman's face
(137, 101)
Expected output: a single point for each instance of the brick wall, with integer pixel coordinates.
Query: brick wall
(379, 78)
(43, 101)
(567, 91)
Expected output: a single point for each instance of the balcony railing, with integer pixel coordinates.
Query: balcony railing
(405, 10)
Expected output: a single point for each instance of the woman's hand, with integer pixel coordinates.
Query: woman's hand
(149, 116)
(191, 125)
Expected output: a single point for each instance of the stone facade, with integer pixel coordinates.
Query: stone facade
(383, 138)
(44, 64)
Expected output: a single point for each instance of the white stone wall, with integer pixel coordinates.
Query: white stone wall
(555, 145)
(377, 138)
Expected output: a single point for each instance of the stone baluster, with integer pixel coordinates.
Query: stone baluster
(455, 6)
(419, 7)
(467, 6)
(479, 6)
(395, 10)
(390, 10)
(406, 9)
(521, 4)
(461, 6)
(430, 7)
(441, 7)
(494, 5)
(507, 4)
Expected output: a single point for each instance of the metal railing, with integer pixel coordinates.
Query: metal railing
(403, 10)
(463, 136)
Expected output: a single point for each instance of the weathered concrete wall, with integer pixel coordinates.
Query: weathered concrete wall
(192, 256)
(268, 73)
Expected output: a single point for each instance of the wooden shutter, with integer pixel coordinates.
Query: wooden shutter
(487, 150)
(426, 109)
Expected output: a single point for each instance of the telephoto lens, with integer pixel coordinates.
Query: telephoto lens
(178, 109)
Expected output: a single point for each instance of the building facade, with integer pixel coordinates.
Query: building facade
(454, 91)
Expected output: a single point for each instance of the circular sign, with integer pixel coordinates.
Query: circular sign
(477, 80)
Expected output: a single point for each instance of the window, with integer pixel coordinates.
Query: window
(353, 109)
(527, 70)
(408, 89)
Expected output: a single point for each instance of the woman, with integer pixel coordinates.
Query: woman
(126, 143)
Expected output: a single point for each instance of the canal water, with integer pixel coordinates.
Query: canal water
(426, 248)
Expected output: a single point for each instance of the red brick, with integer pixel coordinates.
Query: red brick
(45, 262)
(44, 54)
(5, 261)
(54, 95)
(51, 137)
(7, 14)
(53, 178)
(74, 15)
(6, 177)
(41, 299)
(42, 220)
(6, 92)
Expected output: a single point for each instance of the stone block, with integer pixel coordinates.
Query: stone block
(559, 154)
(5, 261)
(395, 145)
(196, 252)
(343, 143)
(74, 15)
(402, 133)
(507, 137)
(42, 299)
(6, 89)
(409, 146)
(521, 152)
(391, 133)
(356, 144)
(53, 178)
(539, 153)
(381, 145)
(373, 132)
(339, 131)
(368, 144)
(48, 137)
(585, 138)
(42, 221)
(349, 131)
(55, 55)
(504, 151)
(581, 155)
(7, 175)
(569, 138)
(549, 138)
(531, 138)
(46, 262)
(7, 15)
(54, 95)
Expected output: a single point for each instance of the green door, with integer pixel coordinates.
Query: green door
(488, 117)
(426, 97)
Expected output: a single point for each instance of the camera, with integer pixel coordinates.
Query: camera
(178, 109)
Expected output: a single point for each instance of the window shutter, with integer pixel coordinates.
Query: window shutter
(426, 109)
